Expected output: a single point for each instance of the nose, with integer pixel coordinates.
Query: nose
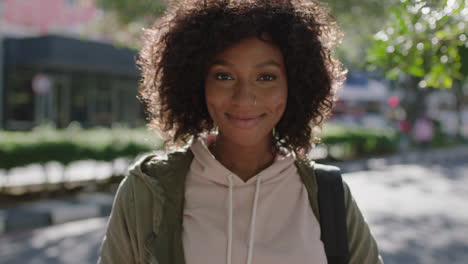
(244, 94)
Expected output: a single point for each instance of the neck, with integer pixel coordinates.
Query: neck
(244, 161)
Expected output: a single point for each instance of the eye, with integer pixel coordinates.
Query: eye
(223, 76)
(267, 77)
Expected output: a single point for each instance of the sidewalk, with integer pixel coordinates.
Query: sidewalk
(51, 212)
(35, 176)
(434, 155)
(88, 205)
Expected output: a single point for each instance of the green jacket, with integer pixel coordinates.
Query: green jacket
(155, 187)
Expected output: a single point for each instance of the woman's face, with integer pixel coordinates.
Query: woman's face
(246, 91)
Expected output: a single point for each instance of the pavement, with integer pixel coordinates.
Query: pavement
(430, 156)
(51, 212)
(89, 205)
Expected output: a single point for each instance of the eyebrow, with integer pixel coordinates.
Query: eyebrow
(261, 64)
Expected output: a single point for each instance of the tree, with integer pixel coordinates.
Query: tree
(134, 10)
(359, 20)
(420, 46)
(122, 21)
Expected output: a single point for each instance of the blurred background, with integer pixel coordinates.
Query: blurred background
(70, 123)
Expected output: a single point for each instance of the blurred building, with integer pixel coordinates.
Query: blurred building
(59, 80)
(442, 107)
(41, 17)
(48, 74)
(362, 101)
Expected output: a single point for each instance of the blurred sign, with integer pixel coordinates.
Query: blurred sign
(41, 84)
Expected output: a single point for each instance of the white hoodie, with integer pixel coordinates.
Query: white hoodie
(266, 220)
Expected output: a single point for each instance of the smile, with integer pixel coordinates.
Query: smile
(244, 121)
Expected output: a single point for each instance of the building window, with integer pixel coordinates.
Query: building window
(20, 98)
(103, 103)
(79, 99)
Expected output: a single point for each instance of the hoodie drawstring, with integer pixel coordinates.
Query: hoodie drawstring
(252, 221)
(229, 249)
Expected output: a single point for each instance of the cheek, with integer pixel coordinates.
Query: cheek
(210, 95)
(214, 101)
(210, 104)
(277, 102)
(213, 93)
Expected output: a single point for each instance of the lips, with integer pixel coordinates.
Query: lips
(244, 121)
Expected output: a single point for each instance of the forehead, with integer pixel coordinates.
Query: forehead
(250, 51)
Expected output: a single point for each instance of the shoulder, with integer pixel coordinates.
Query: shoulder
(150, 168)
(320, 176)
(158, 164)
(152, 173)
(326, 168)
(144, 189)
(328, 175)
(314, 166)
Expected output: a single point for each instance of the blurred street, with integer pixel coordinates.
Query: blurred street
(416, 211)
(74, 242)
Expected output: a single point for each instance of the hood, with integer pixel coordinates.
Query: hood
(208, 167)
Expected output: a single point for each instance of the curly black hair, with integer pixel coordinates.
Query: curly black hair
(178, 49)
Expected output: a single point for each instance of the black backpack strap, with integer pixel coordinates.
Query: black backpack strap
(332, 213)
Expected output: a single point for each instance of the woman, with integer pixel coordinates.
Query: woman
(242, 83)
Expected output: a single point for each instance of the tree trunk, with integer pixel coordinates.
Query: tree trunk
(457, 90)
(415, 99)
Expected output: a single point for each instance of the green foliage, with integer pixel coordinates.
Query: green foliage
(46, 144)
(358, 19)
(346, 143)
(423, 39)
(123, 19)
(128, 11)
(442, 140)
